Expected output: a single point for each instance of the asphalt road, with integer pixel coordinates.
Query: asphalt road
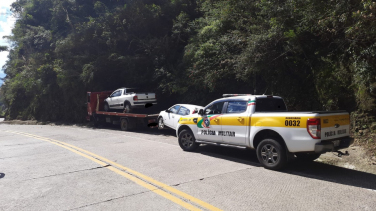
(75, 168)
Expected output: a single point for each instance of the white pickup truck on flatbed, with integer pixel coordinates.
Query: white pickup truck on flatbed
(263, 123)
(124, 98)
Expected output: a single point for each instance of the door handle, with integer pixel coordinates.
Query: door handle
(240, 118)
(216, 120)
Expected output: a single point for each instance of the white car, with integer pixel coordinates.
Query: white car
(123, 98)
(171, 116)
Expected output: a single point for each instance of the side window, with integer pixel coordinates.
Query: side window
(183, 111)
(236, 107)
(215, 108)
(174, 109)
(116, 93)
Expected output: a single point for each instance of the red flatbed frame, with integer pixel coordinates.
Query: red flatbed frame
(126, 114)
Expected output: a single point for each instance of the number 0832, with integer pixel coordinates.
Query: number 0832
(292, 123)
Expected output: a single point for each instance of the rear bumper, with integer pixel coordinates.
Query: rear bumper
(329, 145)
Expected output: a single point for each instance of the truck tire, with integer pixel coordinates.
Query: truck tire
(306, 157)
(94, 120)
(161, 124)
(187, 141)
(106, 107)
(127, 107)
(124, 124)
(271, 154)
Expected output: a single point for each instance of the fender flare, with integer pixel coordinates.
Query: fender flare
(263, 133)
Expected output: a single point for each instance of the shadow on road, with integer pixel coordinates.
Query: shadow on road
(156, 131)
(148, 131)
(2, 175)
(314, 170)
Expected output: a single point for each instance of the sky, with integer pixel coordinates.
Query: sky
(6, 24)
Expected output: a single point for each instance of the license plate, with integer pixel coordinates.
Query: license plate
(336, 143)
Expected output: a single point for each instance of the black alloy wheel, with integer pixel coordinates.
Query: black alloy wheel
(271, 154)
(187, 141)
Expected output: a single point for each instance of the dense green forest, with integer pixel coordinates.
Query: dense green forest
(318, 55)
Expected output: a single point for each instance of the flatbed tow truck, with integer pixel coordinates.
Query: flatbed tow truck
(127, 121)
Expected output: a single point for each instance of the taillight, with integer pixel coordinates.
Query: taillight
(314, 128)
(155, 96)
(135, 98)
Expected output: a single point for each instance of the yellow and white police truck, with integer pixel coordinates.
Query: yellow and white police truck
(263, 123)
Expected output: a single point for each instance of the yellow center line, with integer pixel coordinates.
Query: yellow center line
(131, 175)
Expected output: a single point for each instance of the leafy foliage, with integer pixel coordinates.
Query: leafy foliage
(316, 54)
(64, 48)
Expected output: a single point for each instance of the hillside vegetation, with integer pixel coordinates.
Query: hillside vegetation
(318, 55)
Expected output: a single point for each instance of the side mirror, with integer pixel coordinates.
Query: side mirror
(201, 112)
(167, 111)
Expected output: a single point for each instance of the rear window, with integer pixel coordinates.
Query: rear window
(270, 104)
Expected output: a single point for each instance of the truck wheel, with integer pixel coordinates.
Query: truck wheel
(106, 107)
(187, 141)
(271, 154)
(93, 118)
(161, 123)
(124, 125)
(127, 107)
(305, 157)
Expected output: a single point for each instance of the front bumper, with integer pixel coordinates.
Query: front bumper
(330, 145)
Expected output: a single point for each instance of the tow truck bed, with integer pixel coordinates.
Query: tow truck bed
(126, 114)
(127, 121)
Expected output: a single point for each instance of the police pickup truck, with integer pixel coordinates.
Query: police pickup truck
(263, 123)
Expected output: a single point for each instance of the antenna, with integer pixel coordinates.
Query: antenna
(254, 82)
(265, 91)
